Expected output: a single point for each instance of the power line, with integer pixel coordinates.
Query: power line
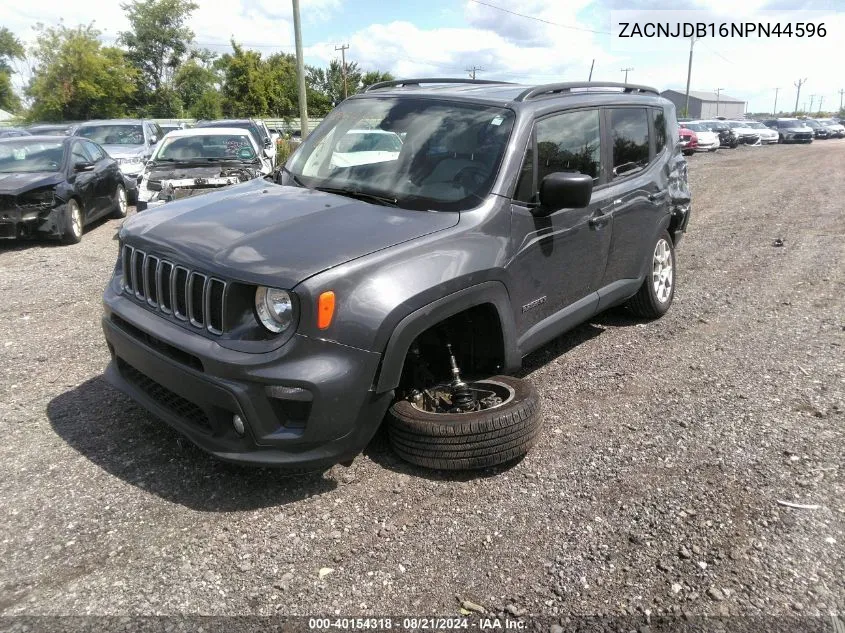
(532, 17)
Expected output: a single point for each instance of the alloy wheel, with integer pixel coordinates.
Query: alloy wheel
(662, 276)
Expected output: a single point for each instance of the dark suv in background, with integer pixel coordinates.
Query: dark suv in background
(278, 322)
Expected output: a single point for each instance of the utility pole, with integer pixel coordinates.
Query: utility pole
(841, 92)
(473, 70)
(812, 98)
(689, 74)
(820, 103)
(718, 95)
(300, 70)
(590, 78)
(625, 70)
(342, 50)
(775, 109)
(798, 85)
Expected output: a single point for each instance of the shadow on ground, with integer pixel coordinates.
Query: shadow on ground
(124, 440)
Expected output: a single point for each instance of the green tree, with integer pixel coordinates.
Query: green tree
(325, 85)
(208, 106)
(77, 78)
(245, 83)
(192, 81)
(10, 48)
(157, 44)
(374, 77)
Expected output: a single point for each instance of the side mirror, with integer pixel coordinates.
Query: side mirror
(83, 166)
(153, 140)
(564, 190)
(268, 142)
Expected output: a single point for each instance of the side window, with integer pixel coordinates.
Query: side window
(659, 119)
(79, 155)
(629, 131)
(95, 152)
(569, 142)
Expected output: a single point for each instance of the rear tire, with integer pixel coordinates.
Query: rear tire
(463, 441)
(654, 297)
(74, 222)
(121, 203)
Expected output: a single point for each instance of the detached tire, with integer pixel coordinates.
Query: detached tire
(465, 441)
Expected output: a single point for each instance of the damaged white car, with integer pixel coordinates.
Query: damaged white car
(191, 162)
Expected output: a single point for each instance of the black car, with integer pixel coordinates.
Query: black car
(52, 187)
(727, 137)
(279, 321)
(819, 130)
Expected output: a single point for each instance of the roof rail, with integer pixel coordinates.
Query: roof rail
(430, 80)
(545, 89)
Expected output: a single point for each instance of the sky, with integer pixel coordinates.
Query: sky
(558, 42)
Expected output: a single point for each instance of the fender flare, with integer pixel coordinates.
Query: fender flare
(418, 321)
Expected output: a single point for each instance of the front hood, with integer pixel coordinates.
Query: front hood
(268, 234)
(708, 137)
(124, 151)
(799, 130)
(15, 184)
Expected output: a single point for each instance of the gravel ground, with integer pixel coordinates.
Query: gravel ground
(655, 486)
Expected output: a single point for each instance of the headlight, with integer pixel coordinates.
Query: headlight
(274, 308)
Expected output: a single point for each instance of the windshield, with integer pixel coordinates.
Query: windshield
(811, 123)
(826, 121)
(238, 124)
(205, 148)
(22, 157)
(113, 134)
(695, 127)
(790, 123)
(420, 153)
(755, 125)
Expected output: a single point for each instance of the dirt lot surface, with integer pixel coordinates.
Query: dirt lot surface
(656, 484)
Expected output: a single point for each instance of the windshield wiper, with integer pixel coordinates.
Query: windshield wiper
(361, 195)
(293, 176)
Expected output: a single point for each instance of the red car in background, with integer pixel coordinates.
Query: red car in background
(689, 141)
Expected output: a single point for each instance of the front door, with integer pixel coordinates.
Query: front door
(559, 260)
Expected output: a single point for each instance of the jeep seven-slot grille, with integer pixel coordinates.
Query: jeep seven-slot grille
(188, 295)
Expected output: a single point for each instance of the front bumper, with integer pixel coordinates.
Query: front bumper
(306, 405)
(704, 146)
(798, 137)
(19, 222)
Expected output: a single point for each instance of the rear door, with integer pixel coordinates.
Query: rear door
(84, 182)
(638, 139)
(107, 175)
(559, 260)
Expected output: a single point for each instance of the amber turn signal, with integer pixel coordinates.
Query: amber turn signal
(325, 309)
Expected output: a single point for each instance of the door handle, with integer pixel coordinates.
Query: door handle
(600, 220)
(658, 195)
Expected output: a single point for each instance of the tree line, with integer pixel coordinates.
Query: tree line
(154, 70)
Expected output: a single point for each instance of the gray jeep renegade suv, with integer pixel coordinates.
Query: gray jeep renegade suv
(421, 241)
